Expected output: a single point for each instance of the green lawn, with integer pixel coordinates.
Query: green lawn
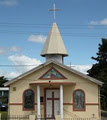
(3, 112)
(3, 115)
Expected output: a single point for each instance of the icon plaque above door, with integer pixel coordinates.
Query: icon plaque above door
(52, 74)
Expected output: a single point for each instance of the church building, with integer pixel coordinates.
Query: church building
(54, 89)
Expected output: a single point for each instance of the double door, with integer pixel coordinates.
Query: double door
(52, 103)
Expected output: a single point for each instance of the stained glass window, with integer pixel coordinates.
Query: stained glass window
(28, 99)
(79, 100)
(52, 74)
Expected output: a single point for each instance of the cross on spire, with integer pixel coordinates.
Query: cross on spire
(54, 9)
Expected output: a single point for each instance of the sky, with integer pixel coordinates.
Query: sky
(24, 27)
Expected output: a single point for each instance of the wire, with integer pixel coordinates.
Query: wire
(17, 65)
(5, 24)
(62, 34)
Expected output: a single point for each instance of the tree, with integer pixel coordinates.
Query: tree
(2, 81)
(99, 71)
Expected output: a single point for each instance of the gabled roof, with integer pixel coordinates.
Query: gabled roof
(54, 43)
(58, 64)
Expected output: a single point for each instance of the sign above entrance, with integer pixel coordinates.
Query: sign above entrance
(52, 74)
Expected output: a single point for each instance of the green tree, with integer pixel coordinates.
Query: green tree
(2, 81)
(99, 71)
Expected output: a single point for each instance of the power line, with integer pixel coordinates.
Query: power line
(64, 27)
(6, 24)
(10, 23)
(16, 65)
(48, 25)
(63, 34)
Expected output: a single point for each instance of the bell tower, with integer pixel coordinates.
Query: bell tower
(54, 48)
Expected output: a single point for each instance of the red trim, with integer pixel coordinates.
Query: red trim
(45, 83)
(56, 99)
(15, 103)
(53, 104)
(85, 104)
(45, 103)
(51, 88)
(33, 109)
(49, 99)
(92, 104)
(67, 103)
(52, 78)
(84, 101)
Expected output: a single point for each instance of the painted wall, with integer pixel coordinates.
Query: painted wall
(90, 89)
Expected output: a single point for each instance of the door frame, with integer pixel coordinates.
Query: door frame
(45, 89)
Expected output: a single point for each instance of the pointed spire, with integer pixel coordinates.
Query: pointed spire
(54, 44)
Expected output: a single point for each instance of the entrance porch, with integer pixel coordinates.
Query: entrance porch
(52, 98)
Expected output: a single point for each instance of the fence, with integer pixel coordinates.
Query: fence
(14, 117)
(67, 119)
(33, 117)
(93, 118)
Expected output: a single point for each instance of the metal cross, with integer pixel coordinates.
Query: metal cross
(54, 9)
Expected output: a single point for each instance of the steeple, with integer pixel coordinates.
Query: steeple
(54, 47)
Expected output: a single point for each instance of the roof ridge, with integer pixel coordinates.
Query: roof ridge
(59, 64)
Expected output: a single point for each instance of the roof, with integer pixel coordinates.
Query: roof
(4, 88)
(54, 43)
(58, 64)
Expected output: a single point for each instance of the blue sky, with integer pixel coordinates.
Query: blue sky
(24, 25)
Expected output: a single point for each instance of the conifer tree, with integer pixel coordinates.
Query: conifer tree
(99, 71)
(2, 81)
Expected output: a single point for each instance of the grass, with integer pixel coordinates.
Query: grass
(3, 115)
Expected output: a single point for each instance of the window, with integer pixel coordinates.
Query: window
(0, 93)
(28, 97)
(41, 99)
(79, 100)
(6, 93)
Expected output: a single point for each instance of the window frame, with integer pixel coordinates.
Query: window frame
(29, 109)
(6, 93)
(74, 109)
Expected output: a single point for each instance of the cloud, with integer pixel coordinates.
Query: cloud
(23, 62)
(37, 38)
(1, 73)
(12, 75)
(3, 51)
(6, 50)
(9, 75)
(15, 49)
(8, 2)
(100, 22)
(94, 22)
(81, 68)
(104, 21)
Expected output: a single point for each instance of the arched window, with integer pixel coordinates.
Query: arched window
(79, 100)
(28, 100)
